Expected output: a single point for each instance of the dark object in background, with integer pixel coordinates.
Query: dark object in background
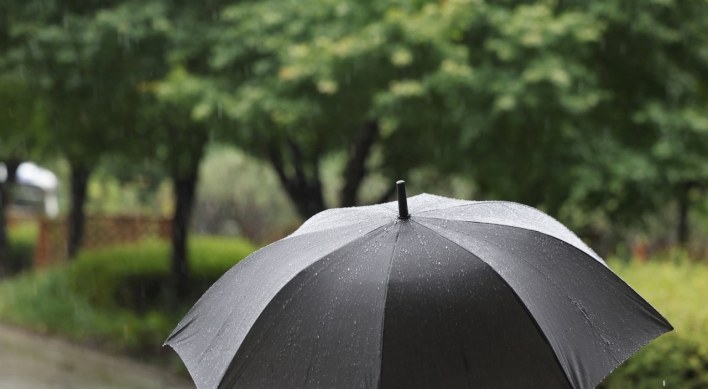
(461, 294)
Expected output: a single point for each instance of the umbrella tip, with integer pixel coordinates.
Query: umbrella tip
(402, 201)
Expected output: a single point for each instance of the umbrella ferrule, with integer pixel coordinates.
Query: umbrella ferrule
(402, 200)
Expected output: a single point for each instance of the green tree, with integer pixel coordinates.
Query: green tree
(168, 41)
(293, 116)
(652, 62)
(22, 119)
(81, 73)
(316, 77)
(181, 140)
(582, 109)
(22, 129)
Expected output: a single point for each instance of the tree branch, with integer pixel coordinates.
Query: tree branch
(277, 161)
(355, 171)
(305, 193)
(296, 157)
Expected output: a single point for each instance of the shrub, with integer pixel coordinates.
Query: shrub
(22, 239)
(136, 276)
(76, 301)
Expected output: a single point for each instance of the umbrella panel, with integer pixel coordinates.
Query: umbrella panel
(452, 322)
(209, 335)
(323, 329)
(593, 320)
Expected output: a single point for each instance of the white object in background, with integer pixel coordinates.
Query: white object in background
(30, 174)
(51, 205)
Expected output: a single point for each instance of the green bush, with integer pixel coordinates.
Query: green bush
(136, 276)
(76, 301)
(679, 290)
(22, 239)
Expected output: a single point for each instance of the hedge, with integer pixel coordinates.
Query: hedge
(86, 302)
(135, 277)
(677, 288)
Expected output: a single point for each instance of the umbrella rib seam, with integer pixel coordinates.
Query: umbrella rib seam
(383, 317)
(226, 322)
(605, 276)
(180, 326)
(377, 212)
(595, 256)
(462, 205)
(469, 203)
(577, 308)
(291, 279)
(295, 233)
(605, 272)
(532, 317)
(592, 325)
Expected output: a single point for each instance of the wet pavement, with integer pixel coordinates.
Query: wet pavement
(29, 361)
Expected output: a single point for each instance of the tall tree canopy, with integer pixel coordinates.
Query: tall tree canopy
(22, 121)
(588, 110)
(583, 109)
(167, 42)
(87, 83)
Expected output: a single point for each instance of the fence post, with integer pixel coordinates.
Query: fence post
(40, 251)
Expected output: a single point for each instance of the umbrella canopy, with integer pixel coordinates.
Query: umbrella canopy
(456, 294)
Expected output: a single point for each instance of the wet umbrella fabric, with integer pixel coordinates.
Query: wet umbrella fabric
(459, 295)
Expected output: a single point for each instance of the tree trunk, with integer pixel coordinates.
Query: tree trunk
(4, 242)
(11, 166)
(184, 188)
(355, 170)
(79, 184)
(684, 204)
(305, 193)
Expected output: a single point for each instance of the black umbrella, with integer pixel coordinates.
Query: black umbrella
(457, 294)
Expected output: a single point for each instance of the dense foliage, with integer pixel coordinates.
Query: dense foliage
(594, 112)
(587, 110)
(135, 277)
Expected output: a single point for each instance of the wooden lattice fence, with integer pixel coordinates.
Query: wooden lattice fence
(99, 232)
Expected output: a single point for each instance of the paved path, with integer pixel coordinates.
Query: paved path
(29, 361)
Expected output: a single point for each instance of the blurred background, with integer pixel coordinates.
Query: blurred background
(146, 146)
